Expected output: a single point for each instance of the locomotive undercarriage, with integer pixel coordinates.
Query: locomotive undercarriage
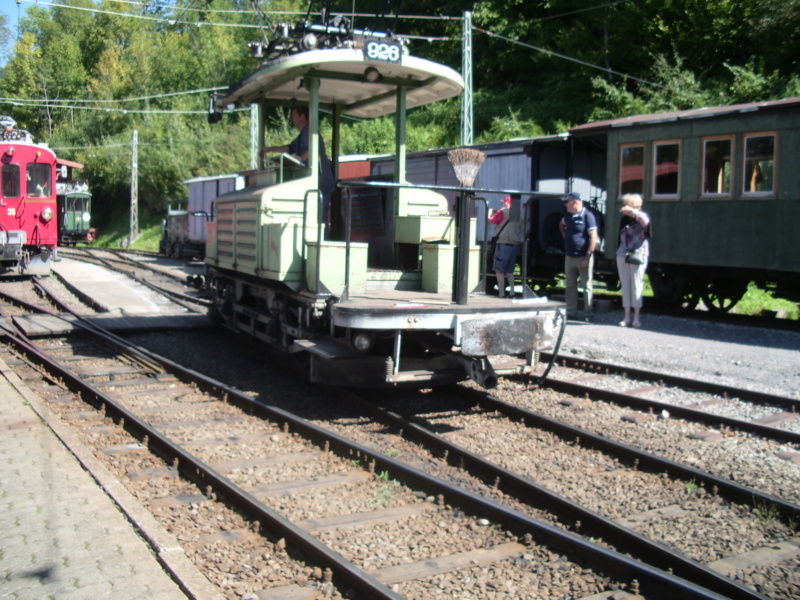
(301, 326)
(19, 258)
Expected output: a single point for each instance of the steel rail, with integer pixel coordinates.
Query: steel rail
(652, 462)
(186, 301)
(684, 412)
(792, 404)
(207, 478)
(660, 583)
(589, 522)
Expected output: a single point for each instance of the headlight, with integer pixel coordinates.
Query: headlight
(47, 214)
(363, 341)
(86, 217)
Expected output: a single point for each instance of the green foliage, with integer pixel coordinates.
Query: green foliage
(72, 55)
(433, 126)
(510, 126)
(757, 300)
(5, 38)
(375, 136)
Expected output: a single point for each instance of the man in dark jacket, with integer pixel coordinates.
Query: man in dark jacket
(579, 228)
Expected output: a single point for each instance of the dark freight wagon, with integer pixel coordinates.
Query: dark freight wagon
(184, 229)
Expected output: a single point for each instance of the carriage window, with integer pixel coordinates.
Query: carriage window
(39, 184)
(666, 168)
(717, 166)
(10, 181)
(631, 170)
(759, 164)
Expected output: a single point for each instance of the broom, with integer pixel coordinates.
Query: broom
(466, 163)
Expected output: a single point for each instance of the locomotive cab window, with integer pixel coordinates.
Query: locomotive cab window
(38, 176)
(10, 181)
(666, 169)
(631, 169)
(759, 164)
(717, 166)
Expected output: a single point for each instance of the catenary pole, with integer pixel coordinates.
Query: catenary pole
(134, 229)
(255, 144)
(466, 73)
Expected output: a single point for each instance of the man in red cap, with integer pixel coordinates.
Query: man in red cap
(509, 238)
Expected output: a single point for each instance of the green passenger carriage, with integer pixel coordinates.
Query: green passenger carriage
(722, 187)
(74, 205)
(403, 305)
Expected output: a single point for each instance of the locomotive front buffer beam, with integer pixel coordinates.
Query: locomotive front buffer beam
(432, 349)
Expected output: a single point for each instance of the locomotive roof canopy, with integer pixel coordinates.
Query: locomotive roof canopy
(342, 81)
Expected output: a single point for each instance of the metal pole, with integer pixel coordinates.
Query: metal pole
(461, 270)
(255, 142)
(134, 226)
(466, 73)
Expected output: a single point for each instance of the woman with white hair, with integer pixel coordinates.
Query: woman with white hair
(632, 255)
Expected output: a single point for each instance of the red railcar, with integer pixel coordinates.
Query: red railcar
(28, 223)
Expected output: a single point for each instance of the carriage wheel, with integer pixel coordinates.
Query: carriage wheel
(673, 291)
(721, 295)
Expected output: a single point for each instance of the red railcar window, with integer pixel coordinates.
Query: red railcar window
(10, 181)
(717, 166)
(631, 171)
(759, 164)
(39, 180)
(666, 168)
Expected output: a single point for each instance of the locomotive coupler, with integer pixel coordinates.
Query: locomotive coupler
(480, 370)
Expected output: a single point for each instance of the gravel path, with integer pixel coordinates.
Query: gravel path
(766, 360)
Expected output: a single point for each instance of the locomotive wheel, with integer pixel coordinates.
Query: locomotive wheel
(721, 295)
(222, 309)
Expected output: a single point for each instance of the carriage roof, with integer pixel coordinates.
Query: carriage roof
(683, 115)
(342, 81)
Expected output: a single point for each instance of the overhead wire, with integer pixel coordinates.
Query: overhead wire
(264, 18)
(565, 57)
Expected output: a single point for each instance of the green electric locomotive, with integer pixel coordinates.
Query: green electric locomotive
(385, 287)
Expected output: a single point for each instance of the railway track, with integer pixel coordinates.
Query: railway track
(678, 486)
(768, 415)
(217, 455)
(719, 419)
(592, 484)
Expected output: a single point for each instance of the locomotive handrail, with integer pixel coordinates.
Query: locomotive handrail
(484, 247)
(320, 229)
(451, 188)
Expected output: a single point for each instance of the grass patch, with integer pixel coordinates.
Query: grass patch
(148, 240)
(757, 300)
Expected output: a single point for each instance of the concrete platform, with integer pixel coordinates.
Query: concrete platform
(126, 305)
(63, 535)
(112, 292)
